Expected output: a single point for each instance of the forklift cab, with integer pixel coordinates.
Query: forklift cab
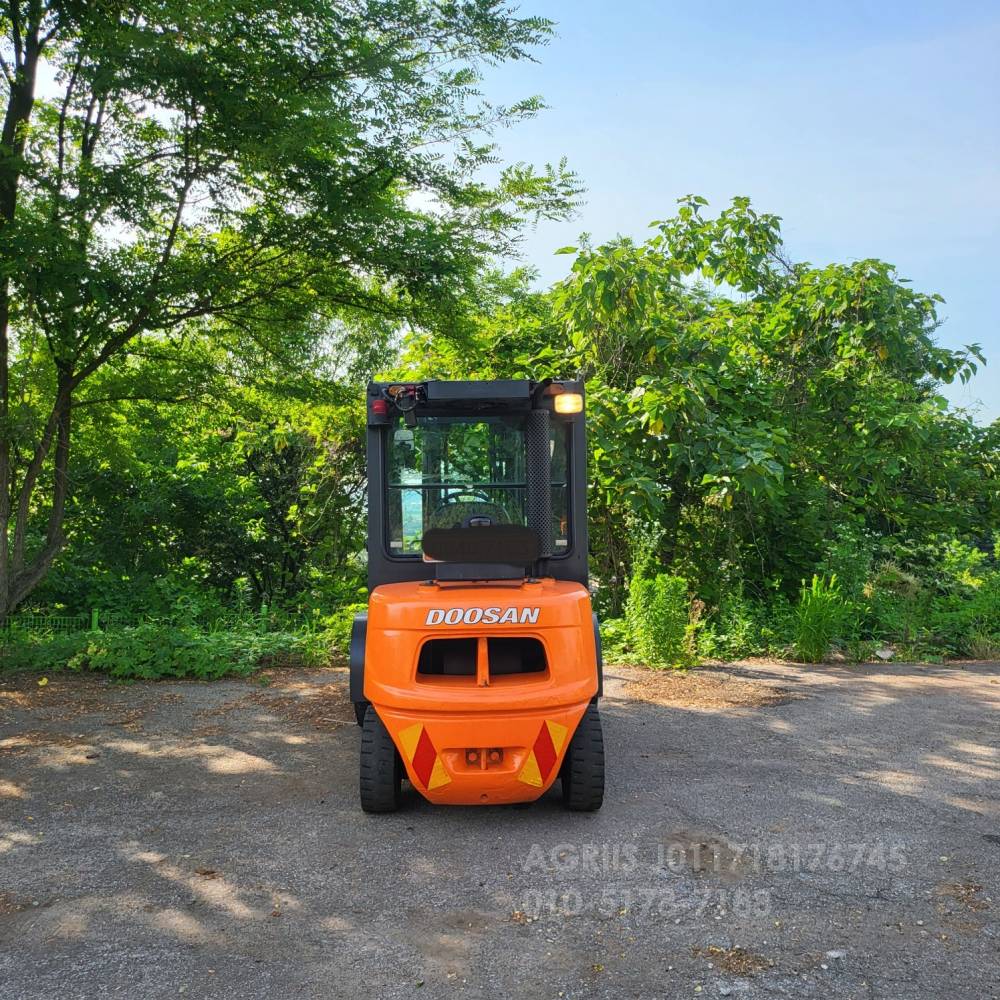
(476, 671)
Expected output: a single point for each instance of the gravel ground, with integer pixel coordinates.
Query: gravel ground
(206, 839)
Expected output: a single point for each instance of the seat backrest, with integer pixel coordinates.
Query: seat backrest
(511, 544)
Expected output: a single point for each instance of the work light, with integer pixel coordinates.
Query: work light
(569, 402)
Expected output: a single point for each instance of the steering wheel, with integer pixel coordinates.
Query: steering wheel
(473, 497)
(471, 493)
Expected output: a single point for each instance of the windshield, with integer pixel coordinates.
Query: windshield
(446, 470)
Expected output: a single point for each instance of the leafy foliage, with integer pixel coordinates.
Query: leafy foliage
(22, 649)
(155, 651)
(220, 223)
(738, 628)
(819, 618)
(659, 620)
(762, 420)
(237, 181)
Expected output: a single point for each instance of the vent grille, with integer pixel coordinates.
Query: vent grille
(507, 656)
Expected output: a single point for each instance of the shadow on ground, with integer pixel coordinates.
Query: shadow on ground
(839, 840)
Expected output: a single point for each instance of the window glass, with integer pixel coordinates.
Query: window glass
(447, 469)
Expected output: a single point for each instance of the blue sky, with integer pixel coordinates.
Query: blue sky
(873, 129)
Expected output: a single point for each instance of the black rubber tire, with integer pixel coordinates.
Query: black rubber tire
(381, 768)
(360, 707)
(582, 772)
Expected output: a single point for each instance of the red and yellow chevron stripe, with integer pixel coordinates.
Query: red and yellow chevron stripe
(420, 752)
(544, 754)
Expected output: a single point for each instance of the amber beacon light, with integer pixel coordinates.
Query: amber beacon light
(569, 402)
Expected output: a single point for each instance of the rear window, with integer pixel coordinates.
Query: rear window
(446, 470)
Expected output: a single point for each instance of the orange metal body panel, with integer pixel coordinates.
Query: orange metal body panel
(529, 717)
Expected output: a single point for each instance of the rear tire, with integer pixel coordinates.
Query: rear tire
(582, 772)
(360, 707)
(381, 768)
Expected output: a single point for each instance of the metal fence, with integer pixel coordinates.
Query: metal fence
(69, 624)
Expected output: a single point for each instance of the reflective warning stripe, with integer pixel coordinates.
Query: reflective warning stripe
(422, 756)
(544, 754)
(530, 774)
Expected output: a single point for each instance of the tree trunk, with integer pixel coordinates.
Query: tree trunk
(20, 101)
(5, 470)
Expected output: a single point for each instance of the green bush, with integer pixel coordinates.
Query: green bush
(948, 626)
(965, 620)
(895, 604)
(983, 647)
(739, 627)
(337, 627)
(819, 619)
(155, 650)
(848, 556)
(985, 612)
(42, 651)
(659, 620)
(615, 641)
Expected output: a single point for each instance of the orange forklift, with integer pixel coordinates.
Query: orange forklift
(477, 670)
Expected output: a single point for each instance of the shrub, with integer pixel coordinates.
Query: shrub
(43, 651)
(962, 620)
(156, 650)
(986, 606)
(615, 641)
(848, 556)
(781, 625)
(659, 620)
(983, 647)
(948, 625)
(337, 627)
(820, 616)
(738, 628)
(960, 563)
(896, 604)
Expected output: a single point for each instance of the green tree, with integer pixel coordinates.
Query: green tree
(253, 171)
(746, 413)
(252, 491)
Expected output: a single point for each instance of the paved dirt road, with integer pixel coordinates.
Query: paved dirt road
(168, 839)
